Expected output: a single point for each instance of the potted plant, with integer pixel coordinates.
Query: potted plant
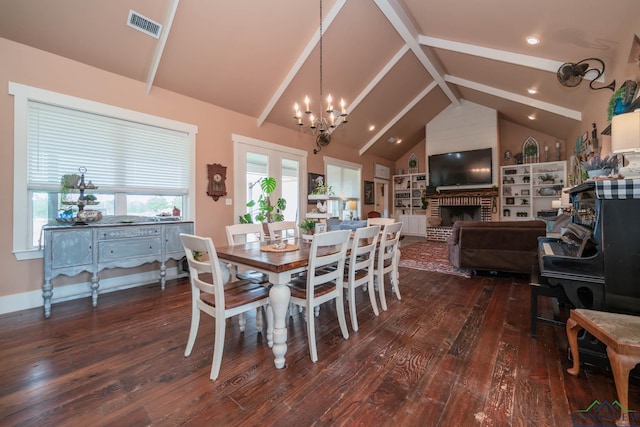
(322, 190)
(68, 182)
(265, 209)
(308, 226)
(597, 166)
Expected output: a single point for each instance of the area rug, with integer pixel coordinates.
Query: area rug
(429, 256)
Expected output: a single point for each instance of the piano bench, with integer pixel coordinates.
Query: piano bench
(540, 287)
(621, 334)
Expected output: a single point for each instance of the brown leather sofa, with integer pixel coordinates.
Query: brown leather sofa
(508, 246)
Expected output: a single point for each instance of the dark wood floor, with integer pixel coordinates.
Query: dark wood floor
(453, 352)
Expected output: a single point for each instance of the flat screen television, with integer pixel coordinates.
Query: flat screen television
(473, 167)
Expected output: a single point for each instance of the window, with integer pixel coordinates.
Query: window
(141, 164)
(344, 179)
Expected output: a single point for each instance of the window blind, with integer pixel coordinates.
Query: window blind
(120, 155)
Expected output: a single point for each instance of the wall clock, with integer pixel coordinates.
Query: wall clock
(217, 176)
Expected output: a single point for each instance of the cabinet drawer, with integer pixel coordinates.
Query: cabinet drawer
(129, 232)
(114, 250)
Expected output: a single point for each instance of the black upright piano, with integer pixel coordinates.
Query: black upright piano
(597, 259)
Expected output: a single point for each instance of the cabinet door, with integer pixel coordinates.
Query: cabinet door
(172, 237)
(71, 248)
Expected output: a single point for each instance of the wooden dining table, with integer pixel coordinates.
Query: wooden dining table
(279, 266)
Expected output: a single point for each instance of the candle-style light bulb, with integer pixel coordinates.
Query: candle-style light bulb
(329, 106)
(296, 109)
(306, 103)
(342, 107)
(312, 121)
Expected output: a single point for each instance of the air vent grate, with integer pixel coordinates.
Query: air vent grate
(144, 24)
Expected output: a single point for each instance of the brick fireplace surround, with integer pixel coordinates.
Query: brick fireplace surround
(485, 199)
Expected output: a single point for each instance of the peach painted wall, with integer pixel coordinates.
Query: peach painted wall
(28, 66)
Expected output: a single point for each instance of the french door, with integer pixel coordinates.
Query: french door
(255, 159)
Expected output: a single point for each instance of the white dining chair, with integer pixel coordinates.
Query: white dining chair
(359, 271)
(283, 229)
(246, 233)
(209, 294)
(387, 259)
(380, 221)
(323, 281)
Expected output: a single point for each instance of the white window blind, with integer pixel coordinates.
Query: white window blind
(120, 155)
(344, 180)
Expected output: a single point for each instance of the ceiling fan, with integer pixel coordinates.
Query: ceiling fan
(570, 74)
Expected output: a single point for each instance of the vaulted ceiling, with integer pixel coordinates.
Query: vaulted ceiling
(397, 63)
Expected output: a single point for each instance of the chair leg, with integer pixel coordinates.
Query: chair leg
(342, 320)
(259, 318)
(372, 297)
(218, 347)
(351, 300)
(395, 275)
(242, 321)
(195, 323)
(311, 335)
(383, 300)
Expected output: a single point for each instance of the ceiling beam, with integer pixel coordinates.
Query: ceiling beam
(157, 56)
(397, 117)
(326, 23)
(529, 61)
(401, 22)
(535, 103)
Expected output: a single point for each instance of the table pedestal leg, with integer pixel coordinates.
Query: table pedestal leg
(279, 296)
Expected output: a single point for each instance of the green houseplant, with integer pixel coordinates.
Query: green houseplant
(264, 210)
(308, 226)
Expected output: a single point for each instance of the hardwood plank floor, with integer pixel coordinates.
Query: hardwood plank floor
(452, 352)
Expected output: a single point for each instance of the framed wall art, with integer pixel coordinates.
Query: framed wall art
(315, 179)
(381, 171)
(368, 192)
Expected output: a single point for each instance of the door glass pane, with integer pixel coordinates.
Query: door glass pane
(291, 188)
(257, 168)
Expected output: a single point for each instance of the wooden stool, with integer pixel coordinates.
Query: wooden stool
(621, 334)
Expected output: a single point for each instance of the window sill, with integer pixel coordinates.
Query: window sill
(23, 255)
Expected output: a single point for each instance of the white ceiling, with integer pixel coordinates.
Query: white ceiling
(397, 63)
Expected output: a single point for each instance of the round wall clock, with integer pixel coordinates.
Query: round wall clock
(217, 176)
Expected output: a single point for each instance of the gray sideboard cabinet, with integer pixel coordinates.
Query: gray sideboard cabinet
(72, 249)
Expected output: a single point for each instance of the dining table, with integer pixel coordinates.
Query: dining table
(280, 264)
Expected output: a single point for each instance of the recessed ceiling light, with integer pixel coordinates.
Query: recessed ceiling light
(398, 141)
(531, 117)
(532, 90)
(372, 128)
(533, 40)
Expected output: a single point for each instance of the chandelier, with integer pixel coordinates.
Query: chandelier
(327, 120)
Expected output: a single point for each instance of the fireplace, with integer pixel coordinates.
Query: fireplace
(451, 214)
(454, 206)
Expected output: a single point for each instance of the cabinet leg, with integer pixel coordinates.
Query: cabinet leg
(47, 293)
(95, 284)
(163, 275)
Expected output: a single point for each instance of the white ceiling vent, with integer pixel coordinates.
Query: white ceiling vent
(144, 24)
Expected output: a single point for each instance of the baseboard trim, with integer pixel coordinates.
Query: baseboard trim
(33, 299)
